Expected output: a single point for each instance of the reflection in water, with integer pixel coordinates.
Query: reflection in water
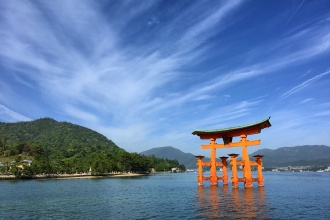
(221, 202)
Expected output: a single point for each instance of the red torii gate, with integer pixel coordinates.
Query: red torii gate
(227, 135)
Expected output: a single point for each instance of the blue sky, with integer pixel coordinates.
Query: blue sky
(147, 73)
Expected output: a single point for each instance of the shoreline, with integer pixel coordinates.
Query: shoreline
(73, 176)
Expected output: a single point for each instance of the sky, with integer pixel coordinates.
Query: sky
(147, 73)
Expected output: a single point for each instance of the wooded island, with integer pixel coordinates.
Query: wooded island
(46, 146)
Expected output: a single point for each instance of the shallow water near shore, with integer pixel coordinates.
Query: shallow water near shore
(167, 196)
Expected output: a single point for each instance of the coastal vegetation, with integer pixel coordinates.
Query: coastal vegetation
(46, 146)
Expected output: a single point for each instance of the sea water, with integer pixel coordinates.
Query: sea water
(167, 196)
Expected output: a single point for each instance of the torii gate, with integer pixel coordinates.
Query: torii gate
(227, 135)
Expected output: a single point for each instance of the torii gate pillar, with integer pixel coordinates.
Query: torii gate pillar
(213, 169)
(224, 170)
(234, 177)
(247, 174)
(260, 178)
(200, 170)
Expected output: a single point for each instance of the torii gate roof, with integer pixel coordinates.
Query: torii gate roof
(248, 129)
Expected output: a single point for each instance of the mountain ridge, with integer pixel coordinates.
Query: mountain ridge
(304, 155)
(169, 152)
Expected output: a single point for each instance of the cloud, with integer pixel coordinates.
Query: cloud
(323, 113)
(295, 12)
(8, 115)
(218, 117)
(306, 100)
(97, 72)
(131, 72)
(102, 75)
(202, 97)
(202, 28)
(80, 114)
(302, 85)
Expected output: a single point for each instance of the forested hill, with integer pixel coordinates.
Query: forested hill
(45, 146)
(64, 137)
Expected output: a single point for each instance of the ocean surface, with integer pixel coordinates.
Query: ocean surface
(167, 196)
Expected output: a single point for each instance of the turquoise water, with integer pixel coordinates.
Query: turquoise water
(167, 196)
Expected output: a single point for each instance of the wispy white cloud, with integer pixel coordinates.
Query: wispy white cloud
(302, 85)
(306, 100)
(110, 79)
(192, 36)
(295, 12)
(8, 115)
(89, 74)
(323, 113)
(80, 114)
(218, 117)
(131, 81)
(202, 97)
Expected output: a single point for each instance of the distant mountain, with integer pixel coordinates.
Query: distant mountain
(307, 155)
(187, 159)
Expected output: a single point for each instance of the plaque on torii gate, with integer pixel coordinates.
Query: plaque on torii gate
(227, 135)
